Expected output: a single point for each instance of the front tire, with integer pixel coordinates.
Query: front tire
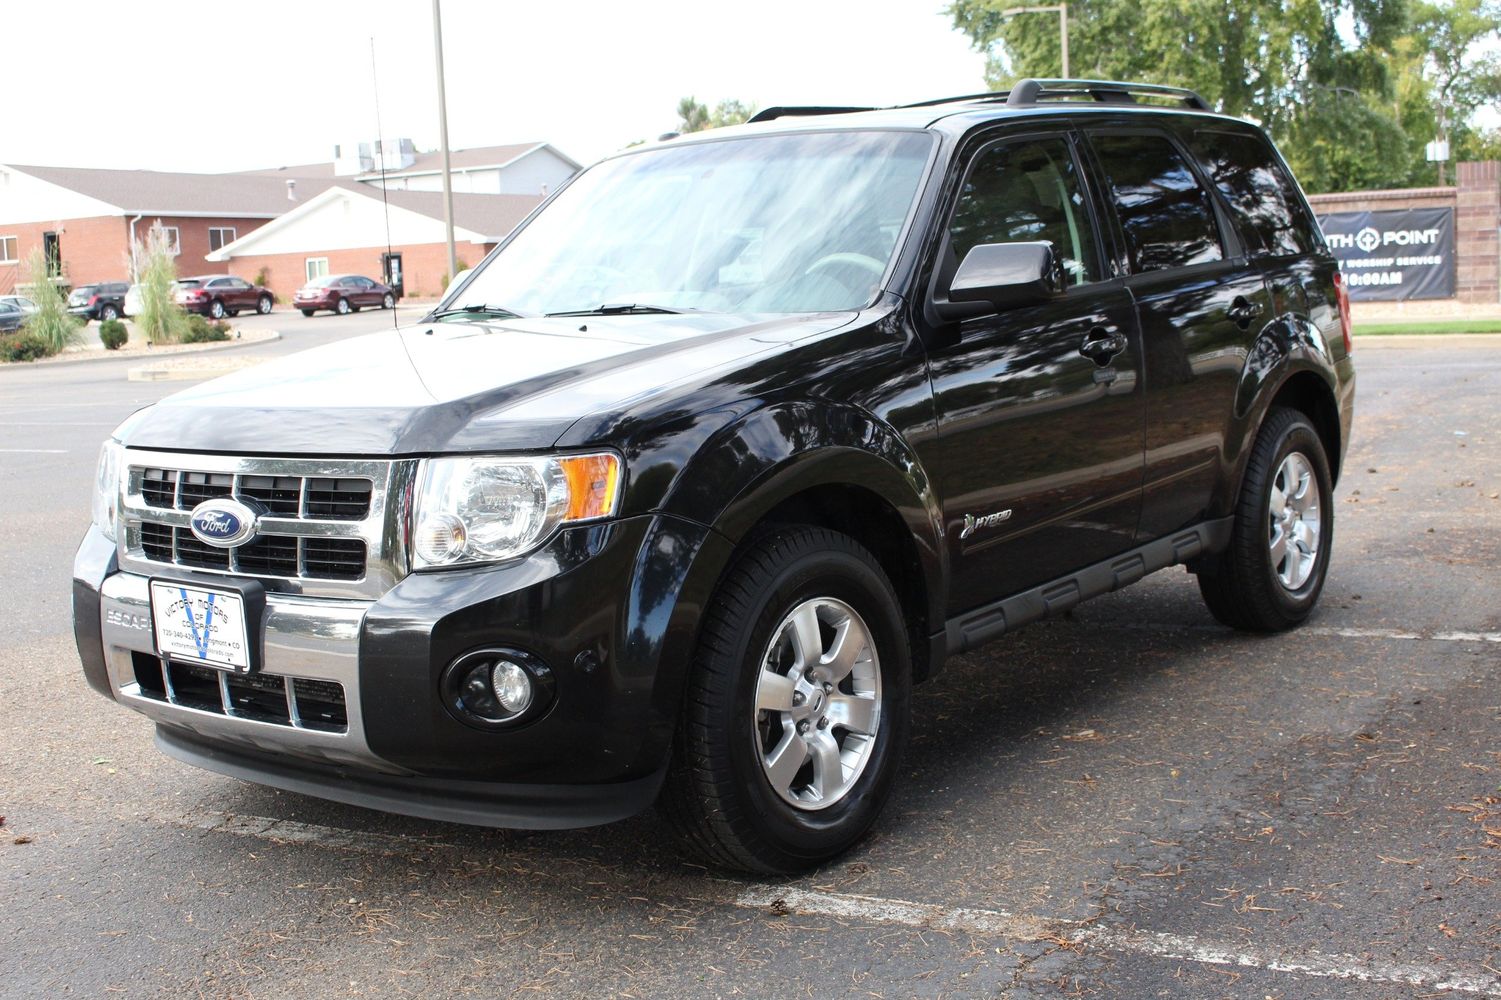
(388, 301)
(1270, 577)
(307, 312)
(797, 708)
(263, 305)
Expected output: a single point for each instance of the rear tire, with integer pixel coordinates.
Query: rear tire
(216, 309)
(108, 313)
(1270, 577)
(342, 307)
(804, 661)
(307, 312)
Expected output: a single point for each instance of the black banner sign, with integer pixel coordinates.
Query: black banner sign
(1392, 256)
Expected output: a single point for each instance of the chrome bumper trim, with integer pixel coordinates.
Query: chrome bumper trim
(303, 638)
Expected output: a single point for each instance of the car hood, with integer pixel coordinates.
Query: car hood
(458, 387)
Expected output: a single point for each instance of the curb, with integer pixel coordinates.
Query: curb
(1379, 340)
(171, 350)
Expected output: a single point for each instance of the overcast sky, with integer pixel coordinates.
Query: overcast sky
(211, 85)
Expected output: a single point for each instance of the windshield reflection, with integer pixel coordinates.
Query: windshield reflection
(762, 224)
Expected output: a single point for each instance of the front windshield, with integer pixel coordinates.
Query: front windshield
(763, 224)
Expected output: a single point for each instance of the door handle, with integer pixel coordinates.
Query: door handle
(1101, 345)
(1243, 311)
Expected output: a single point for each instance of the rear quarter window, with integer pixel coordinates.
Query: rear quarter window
(1165, 214)
(1263, 198)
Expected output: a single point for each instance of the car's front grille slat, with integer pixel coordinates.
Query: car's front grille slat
(325, 522)
(297, 702)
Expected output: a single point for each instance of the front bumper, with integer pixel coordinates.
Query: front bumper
(612, 609)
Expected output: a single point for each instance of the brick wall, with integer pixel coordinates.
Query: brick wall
(96, 249)
(1476, 201)
(1478, 278)
(424, 266)
(92, 249)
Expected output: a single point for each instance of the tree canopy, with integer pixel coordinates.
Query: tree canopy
(694, 116)
(1350, 89)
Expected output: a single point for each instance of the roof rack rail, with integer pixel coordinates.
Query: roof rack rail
(767, 114)
(1030, 92)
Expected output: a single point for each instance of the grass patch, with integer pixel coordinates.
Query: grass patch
(1430, 326)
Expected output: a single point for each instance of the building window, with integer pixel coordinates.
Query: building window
(317, 267)
(218, 236)
(174, 240)
(8, 250)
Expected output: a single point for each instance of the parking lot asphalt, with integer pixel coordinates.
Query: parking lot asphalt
(1128, 802)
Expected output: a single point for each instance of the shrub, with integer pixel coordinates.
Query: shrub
(161, 319)
(25, 346)
(201, 331)
(51, 323)
(113, 333)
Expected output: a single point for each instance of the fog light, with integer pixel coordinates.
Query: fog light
(496, 687)
(513, 688)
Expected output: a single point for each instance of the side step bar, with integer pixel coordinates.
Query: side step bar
(965, 632)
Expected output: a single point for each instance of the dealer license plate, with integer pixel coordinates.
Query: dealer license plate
(200, 625)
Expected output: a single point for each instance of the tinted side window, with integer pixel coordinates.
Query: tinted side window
(1260, 193)
(1165, 212)
(1024, 191)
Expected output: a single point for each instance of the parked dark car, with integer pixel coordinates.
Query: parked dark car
(343, 293)
(679, 492)
(102, 301)
(11, 317)
(219, 295)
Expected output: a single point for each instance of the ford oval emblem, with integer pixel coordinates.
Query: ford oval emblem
(223, 523)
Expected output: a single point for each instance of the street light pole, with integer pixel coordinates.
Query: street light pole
(453, 259)
(1062, 11)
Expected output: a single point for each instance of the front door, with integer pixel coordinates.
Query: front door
(1039, 452)
(390, 264)
(52, 250)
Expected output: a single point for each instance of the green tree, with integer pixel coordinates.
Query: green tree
(694, 116)
(1286, 63)
(1449, 71)
(51, 323)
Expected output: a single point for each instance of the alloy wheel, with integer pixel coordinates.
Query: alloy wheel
(1294, 518)
(817, 703)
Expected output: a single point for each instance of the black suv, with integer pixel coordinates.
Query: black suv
(102, 301)
(678, 494)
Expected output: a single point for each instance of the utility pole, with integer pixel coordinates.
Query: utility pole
(453, 259)
(1062, 11)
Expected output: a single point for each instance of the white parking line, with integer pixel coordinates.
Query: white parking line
(286, 831)
(1176, 947)
(1326, 631)
(33, 451)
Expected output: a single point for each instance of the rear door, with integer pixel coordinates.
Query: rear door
(1039, 451)
(1200, 302)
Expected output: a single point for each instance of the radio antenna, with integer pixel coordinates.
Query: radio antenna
(380, 157)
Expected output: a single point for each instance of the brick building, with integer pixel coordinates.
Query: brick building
(85, 219)
(349, 228)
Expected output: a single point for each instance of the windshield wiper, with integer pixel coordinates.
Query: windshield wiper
(480, 310)
(620, 309)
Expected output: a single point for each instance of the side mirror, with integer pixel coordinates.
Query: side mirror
(1007, 275)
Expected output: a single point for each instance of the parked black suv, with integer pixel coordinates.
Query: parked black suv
(102, 301)
(682, 489)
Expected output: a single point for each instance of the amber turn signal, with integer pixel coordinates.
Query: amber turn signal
(593, 485)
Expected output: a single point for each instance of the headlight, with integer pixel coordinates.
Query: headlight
(485, 509)
(107, 489)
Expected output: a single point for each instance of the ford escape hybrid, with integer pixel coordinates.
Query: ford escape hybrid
(676, 496)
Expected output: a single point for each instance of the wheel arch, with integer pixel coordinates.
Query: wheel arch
(830, 465)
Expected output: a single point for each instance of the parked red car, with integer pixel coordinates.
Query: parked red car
(220, 295)
(343, 293)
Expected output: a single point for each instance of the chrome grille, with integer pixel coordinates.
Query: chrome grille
(331, 528)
